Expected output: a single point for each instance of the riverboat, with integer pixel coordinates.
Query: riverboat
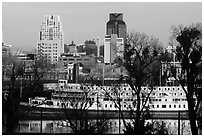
(78, 96)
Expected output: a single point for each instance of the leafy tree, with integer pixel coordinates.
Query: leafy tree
(189, 53)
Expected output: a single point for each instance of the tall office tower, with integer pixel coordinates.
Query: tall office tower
(116, 36)
(116, 25)
(51, 40)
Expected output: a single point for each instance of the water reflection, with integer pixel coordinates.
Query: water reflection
(58, 126)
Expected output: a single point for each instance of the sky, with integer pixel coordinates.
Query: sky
(83, 21)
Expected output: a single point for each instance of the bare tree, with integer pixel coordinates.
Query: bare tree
(12, 70)
(77, 115)
(140, 60)
(189, 52)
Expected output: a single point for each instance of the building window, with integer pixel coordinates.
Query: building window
(105, 105)
(174, 106)
(157, 106)
(169, 106)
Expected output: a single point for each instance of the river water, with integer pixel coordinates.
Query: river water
(62, 126)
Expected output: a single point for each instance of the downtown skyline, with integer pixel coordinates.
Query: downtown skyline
(83, 21)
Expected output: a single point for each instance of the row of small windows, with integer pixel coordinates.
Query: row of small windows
(164, 94)
(47, 44)
(110, 99)
(170, 106)
(178, 99)
(49, 50)
(48, 47)
(159, 100)
(125, 106)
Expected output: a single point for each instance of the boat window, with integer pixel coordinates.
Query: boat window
(184, 106)
(111, 106)
(179, 106)
(163, 106)
(174, 106)
(169, 106)
(152, 106)
(165, 99)
(105, 105)
(157, 106)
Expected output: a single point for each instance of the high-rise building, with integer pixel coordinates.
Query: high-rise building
(115, 39)
(51, 40)
(116, 25)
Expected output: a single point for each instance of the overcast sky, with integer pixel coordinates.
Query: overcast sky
(82, 21)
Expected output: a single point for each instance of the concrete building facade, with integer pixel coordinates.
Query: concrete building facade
(51, 38)
(113, 48)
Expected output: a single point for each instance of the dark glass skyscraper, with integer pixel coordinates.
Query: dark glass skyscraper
(116, 25)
